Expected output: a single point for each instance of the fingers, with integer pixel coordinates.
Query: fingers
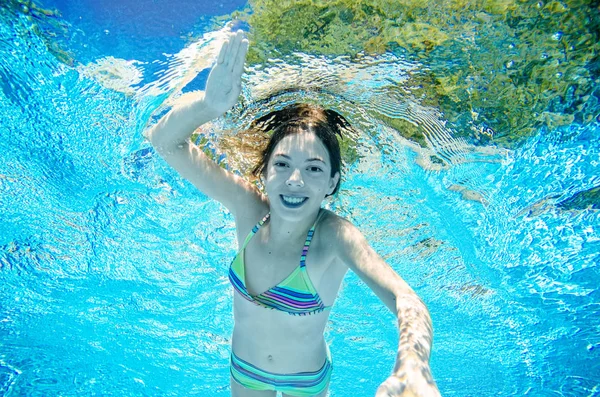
(223, 52)
(236, 41)
(233, 53)
(226, 49)
(238, 66)
(230, 49)
(230, 44)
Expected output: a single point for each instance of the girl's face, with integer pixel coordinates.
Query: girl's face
(298, 175)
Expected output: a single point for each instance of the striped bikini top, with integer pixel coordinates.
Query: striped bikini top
(295, 295)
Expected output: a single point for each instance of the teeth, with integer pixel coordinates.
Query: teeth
(293, 200)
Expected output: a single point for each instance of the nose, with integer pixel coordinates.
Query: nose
(295, 179)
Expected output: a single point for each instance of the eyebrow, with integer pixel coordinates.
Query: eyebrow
(307, 160)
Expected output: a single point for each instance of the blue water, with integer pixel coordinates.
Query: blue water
(113, 269)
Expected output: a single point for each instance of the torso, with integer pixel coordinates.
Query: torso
(272, 339)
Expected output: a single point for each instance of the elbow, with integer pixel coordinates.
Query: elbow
(163, 145)
(153, 136)
(412, 306)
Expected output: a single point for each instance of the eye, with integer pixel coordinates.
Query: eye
(280, 164)
(314, 168)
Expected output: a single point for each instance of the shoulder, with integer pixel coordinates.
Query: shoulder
(252, 213)
(332, 222)
(340, 232)
(348, 245)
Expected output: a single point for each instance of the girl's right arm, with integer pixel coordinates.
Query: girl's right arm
(171, 135)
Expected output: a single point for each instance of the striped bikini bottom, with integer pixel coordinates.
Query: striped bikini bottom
(302, 384)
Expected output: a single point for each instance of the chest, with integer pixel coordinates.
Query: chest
(267, 265)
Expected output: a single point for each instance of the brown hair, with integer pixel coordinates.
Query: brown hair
(326, 124)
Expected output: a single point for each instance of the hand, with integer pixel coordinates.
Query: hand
(409, 384)
(224, 82)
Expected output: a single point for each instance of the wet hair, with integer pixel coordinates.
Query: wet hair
(326, 124)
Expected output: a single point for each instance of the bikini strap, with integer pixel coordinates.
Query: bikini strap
(255, 229)
(309, 238)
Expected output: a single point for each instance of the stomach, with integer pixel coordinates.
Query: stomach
(276, 341)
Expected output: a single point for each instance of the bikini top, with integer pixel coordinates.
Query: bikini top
(295, 295)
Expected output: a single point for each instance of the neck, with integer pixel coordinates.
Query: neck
(283, 231)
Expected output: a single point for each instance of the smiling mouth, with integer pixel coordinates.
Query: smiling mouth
(292, 202)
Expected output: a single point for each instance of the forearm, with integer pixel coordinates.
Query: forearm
(412, 375)
(178, 125)
(416, 336)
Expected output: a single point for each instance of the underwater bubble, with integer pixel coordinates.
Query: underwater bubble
(557, 36)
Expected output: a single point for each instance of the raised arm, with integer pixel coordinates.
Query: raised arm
(411, 375)
(171, 135)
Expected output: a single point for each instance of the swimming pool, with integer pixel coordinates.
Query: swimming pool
(113, 269)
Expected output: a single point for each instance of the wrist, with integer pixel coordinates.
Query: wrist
(407, 365)
(205, 110)
(410, 359)
(410, 369)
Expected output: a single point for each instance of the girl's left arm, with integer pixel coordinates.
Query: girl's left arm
(411, 375)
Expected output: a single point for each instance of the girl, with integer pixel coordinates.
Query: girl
(293, 254)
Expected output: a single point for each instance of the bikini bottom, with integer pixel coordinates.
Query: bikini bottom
(302, 384)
